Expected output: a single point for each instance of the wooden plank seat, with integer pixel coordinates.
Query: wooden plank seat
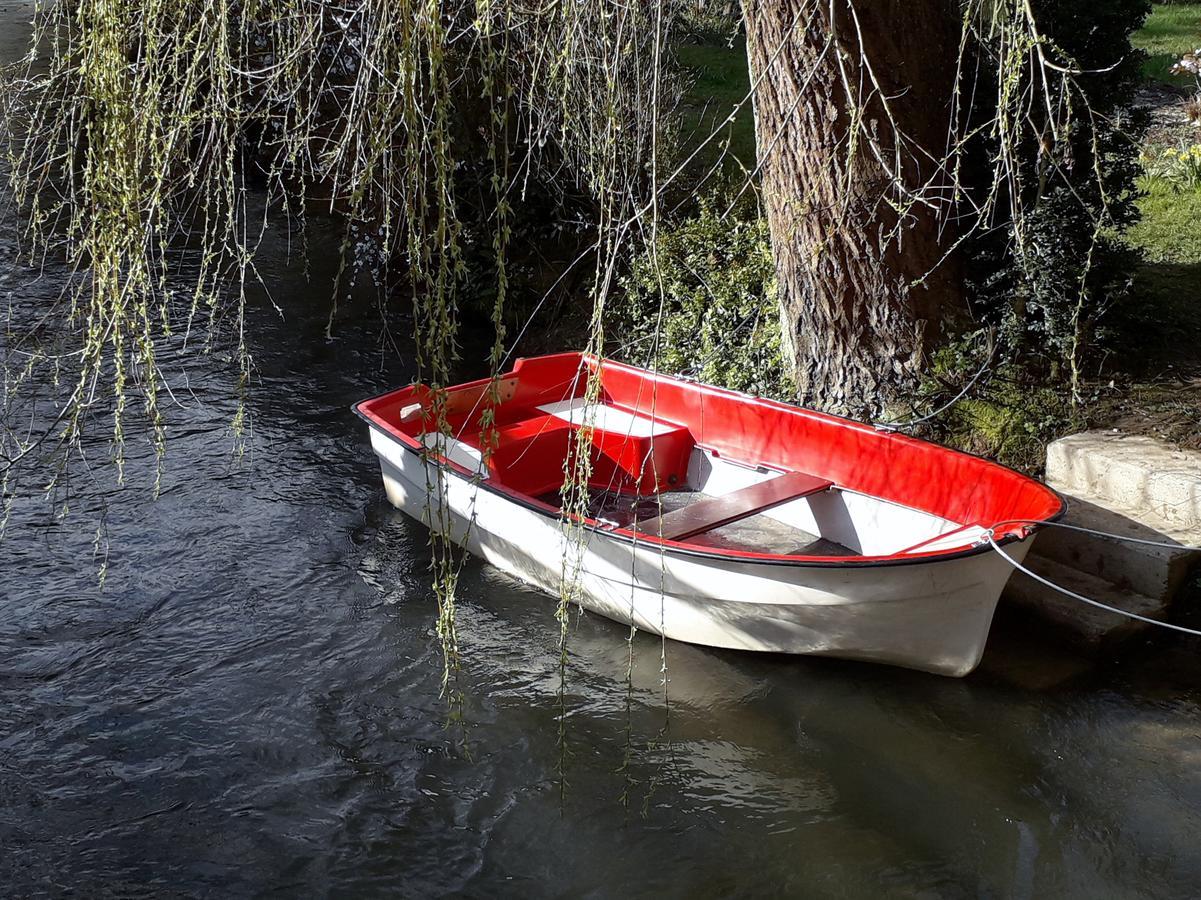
(714, 512)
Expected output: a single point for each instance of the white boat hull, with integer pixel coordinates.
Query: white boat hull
(931, 615)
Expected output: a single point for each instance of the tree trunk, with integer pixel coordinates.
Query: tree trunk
(863, 286)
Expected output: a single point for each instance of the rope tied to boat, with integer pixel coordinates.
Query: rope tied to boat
(990, 535)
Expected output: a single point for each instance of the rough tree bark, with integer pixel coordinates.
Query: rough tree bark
(860, 298)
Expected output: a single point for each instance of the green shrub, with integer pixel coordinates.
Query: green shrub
(1007, 416)
(702, 302)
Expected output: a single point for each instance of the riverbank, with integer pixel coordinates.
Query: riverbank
(1149, 380)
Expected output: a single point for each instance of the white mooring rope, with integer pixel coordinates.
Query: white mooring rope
(990, 533)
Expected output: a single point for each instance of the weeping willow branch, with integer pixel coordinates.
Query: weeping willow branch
(136, 128)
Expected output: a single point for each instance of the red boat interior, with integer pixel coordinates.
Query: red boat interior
(686, 463)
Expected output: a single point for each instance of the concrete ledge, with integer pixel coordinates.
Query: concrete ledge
(1153, 571)
(1094, 628)
(1131, 471)
(1125, 485)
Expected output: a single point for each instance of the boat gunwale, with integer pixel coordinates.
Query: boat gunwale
(629, 536)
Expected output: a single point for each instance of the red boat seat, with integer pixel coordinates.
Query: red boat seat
(631, 451)
(628, 452)
(528, 456)
(714, 512)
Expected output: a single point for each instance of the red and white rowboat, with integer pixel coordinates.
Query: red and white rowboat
(717, 518)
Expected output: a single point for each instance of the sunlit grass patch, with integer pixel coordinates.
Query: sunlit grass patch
(1162, 323)
(1168, 230)
(1169, 32)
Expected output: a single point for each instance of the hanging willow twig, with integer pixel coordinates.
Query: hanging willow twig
(133, 144)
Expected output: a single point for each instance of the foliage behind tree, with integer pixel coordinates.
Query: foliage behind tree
(1048, 292)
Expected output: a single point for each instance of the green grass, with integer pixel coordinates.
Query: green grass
(1170, 229)
(717, 82)
(1169, 232)
(1162, 320)
(1169, 32)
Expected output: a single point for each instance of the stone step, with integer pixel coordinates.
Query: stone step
(1157, 572)
(1129, 472)
(1091, 626)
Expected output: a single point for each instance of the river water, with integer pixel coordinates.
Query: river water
(251, 702)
